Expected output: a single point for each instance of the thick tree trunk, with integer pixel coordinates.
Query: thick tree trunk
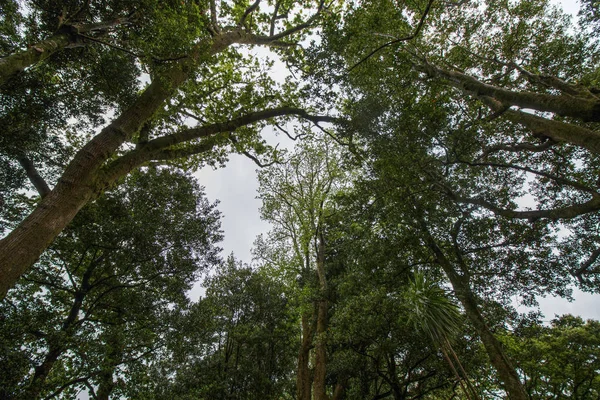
(83, 180)
(14, 63)
(320, 390)
(22, 247)
(303, 381)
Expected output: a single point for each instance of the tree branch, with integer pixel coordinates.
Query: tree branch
(34, 177)
(554, 214)
(248, 11)
(402, 39)
(587, 264)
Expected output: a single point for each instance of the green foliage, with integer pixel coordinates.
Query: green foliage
(431, 310)
(108, 285)
(559, 360)
(235, 342)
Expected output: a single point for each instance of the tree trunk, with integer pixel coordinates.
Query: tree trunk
(506, 372)
(303, 381)
(17, 62)
(42, 371)
(57, 349)
(82, 179)
(320, 390)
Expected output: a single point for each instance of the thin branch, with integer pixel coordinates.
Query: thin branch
(213, 19)
(294, 138)
(140, 56)
(557, 179)
(588, 263)
(299, 27)
(517, 147)
(34, 177)
(274, 18)
(251, 156)
(253, 7)
(66, 385)
(568, 212)
(402, 39)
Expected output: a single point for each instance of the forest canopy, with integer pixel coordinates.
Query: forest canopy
(444, 170)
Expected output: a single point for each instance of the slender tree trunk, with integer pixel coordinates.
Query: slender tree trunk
(339, 393)
(320, 390)
(113, 357)
(303, 381)
(42, 371)
(506, 372)
(57, 349)
(500, 361)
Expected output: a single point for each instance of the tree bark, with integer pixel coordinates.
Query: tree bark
(303, 381)
(585, 108)
(558, 131)
(320, 390)
(34, 177)
(79, 183)
(17, 62)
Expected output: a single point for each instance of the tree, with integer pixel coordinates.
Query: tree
(237, 341)
(559, 360)
(296, 198)
(101, 299)
(205, 68)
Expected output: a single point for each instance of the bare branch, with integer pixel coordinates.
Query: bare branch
(294, 138)
(251, 156)
(213, 18)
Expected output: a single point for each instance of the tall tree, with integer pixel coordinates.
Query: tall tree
(296, 198)
(101, 298)
(202, 79)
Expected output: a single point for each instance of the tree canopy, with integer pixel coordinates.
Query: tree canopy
(445, 171)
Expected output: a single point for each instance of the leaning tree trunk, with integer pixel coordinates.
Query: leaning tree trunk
(507, 373)
(77, 186)
(80, 181)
